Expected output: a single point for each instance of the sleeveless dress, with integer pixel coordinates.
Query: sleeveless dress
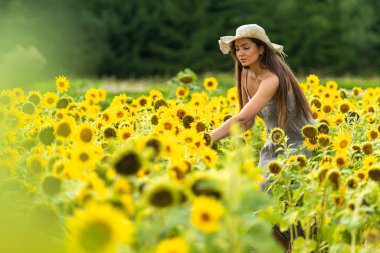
(293, 129)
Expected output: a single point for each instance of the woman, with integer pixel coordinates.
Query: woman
(267, 88)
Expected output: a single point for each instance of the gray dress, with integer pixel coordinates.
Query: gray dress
(293, 130)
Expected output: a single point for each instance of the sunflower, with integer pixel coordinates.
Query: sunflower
(98, 228)
(206, 214)
(311, 144)
(125, 133)
(161, 194)
(182, 91)
(155, 94)
(341, 142)
(323, 140)
(85, 156)
(209, 157)
(49, 100)
(344, 106)
(277, 135)
(34, 97)
(340, 159)
(51, 185)
(361, 174)
(356, 91)
(46, 135)
(202, 184)
(333, 175)
(323, 128)
(65, 128)
(36, 163)
(62, 83)
(85, 133)
(369, 161)
(274, 167)
(109, 132)
(374, 173)
(126, 161)
(367, 148)
(372, 134)
(332, 85)
(312, 80)
(210, 83)
(232, 96)
(352, 182)
(178, 170)
(28, 108)
(172, 245)
(309, 131)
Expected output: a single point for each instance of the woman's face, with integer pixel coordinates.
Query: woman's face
(247, 52)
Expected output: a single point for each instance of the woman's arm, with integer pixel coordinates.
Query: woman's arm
(245, 118)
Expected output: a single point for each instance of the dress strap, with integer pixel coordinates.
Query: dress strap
(246, 85)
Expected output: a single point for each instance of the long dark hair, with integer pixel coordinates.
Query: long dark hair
(288, 82)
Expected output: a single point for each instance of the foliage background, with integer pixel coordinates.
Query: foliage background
(135, 38)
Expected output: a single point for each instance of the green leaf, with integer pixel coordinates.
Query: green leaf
(302, 245)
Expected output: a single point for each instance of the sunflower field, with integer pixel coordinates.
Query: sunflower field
(100, 173)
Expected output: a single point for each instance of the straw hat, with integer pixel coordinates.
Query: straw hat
(249, 31)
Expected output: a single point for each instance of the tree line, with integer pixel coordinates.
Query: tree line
(137, 38)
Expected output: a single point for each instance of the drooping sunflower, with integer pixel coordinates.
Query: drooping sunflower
(206, 214)
(98, 228)
(62, 83)
(210, 83)
(172, 245)
(277, 135)
(341, 142)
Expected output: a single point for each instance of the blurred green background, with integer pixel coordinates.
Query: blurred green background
(134, 39)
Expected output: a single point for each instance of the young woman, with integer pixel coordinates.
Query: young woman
(266, 87)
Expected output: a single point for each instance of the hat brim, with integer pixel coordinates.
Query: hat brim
(225, 45)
